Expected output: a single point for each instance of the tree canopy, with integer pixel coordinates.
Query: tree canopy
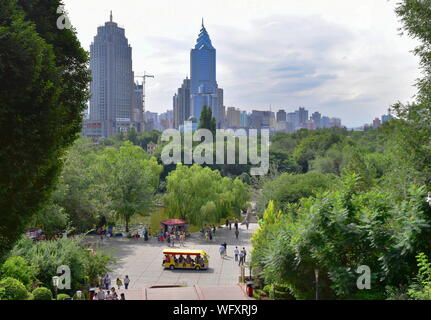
(44, 77)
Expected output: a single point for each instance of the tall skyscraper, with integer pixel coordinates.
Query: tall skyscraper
(204, 88)
(138, 108)
(112, 86)
(181, 103)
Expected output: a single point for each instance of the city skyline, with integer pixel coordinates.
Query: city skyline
(340, 65)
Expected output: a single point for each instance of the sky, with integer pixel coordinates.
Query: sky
(343, 58)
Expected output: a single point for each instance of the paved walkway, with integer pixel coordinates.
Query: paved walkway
(141, 260)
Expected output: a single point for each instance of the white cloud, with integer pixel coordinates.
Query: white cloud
(343, 58)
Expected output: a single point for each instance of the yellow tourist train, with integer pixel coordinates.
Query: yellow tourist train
(185, 259)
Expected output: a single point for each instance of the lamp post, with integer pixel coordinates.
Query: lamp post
(316, 276)
(55, 282)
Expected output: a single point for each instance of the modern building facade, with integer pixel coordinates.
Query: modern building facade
(181, 104)
(203, 86)
(233, 118)
(281, 116)
(112, 87)
(138, 121)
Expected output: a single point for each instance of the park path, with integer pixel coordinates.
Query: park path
(141, 260)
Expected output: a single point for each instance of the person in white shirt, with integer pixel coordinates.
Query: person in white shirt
(236, 253)
(126, 282)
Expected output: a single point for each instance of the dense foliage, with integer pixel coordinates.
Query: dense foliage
(202, 196)
(45, 257)
(44, 89)
(12, 289)
(373, 213)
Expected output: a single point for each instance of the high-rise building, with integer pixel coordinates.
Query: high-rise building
(152, 121)
(335, 122)
(281, 116)
(317, 119)
(166, 120)
(112, 86)
(245, 119)
(181, 104)
(204, 88)
(377, 123)
(233, 116)
(220, 115)
(262, 120)
(302, 115)
(138, 108)
(292, 117)
(326, 122)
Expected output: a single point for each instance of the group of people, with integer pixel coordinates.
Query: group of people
(236, 224)
(111, 293)
(240, 256)
(209, 233)
(108, 295)
(106, 282)
(172, 236)
(185, 261)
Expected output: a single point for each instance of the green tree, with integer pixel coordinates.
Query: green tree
(44, 77)
(18, 268)
(201, 195)
(130, 178)
(207, 121)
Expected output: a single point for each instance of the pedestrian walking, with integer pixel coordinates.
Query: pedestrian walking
(168, 239)
(126, 282)
(241, 258)
(236, 234)
(123, 297)
(236, 223)
(119, 283)
(210, 235)
(245, 254)
(107, 281)
(207, 236)
(236, 253)
(222, 250)
(230, 225)
(227, 223)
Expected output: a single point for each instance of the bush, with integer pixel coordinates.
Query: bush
(18, 268)
(62, 296)
(12, 289)
(47, 256)
(42, 293)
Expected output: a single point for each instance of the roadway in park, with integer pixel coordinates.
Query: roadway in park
(142, 261)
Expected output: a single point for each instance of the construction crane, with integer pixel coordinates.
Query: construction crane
(144, 82)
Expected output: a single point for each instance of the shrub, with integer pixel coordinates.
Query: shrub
(62, 296)
(47, 256)
(12, 289)
(18, 268)
(42, 293)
